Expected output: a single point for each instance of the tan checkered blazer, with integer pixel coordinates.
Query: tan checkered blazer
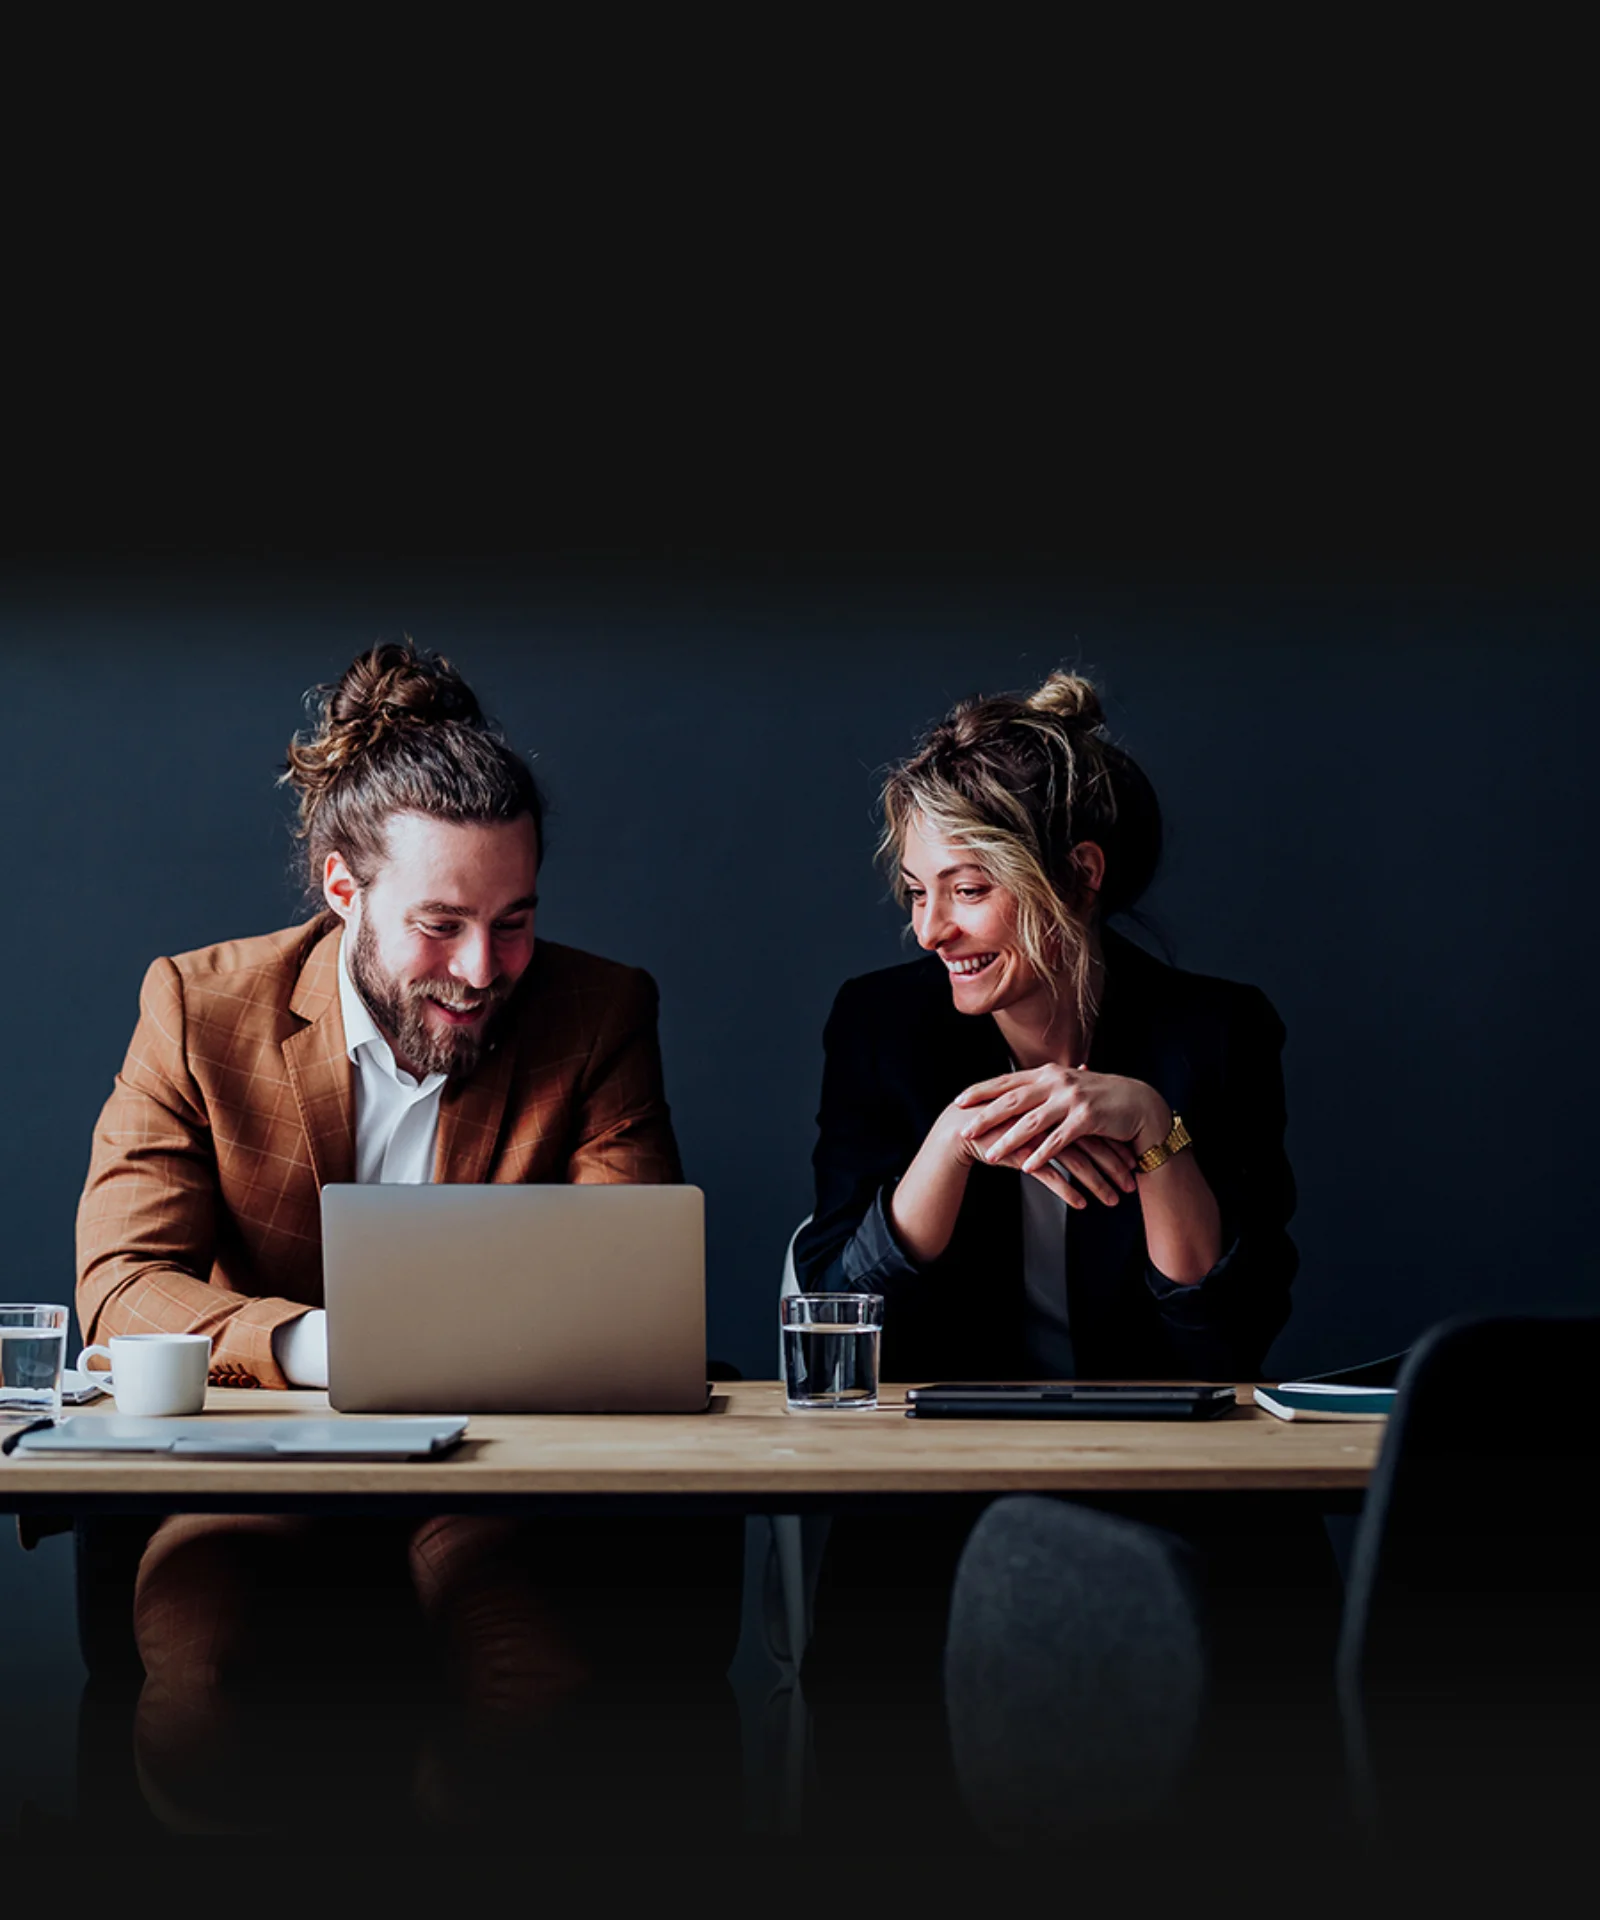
(235, 1104)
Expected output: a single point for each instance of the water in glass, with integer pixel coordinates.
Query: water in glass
(31, 1359)
(826, 1366)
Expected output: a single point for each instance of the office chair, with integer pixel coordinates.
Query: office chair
(1469, 1659)
(794, 1555)
(1074, 1672)
(797, 1540)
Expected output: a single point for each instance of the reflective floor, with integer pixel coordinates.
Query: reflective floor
(707, 1770)
(721, 1780)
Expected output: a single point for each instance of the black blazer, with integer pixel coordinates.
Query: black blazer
(897, 1053)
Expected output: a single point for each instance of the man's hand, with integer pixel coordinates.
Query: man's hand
(1054, 1122)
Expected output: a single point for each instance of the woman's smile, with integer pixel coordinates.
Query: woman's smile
(961, 914)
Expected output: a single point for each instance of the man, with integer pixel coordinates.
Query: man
(412, 1031)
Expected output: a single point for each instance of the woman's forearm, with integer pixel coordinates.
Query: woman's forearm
(928, 1199)
(1182, 1222)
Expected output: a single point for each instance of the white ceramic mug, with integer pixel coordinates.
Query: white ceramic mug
(154, 1373)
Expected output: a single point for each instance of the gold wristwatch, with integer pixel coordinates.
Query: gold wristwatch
(1158, 1155)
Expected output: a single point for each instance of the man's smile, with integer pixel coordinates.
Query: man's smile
(460, 1016)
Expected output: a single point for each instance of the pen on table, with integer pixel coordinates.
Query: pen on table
(33, 1426)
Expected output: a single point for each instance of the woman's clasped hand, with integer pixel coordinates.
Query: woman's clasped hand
(1078, 1132)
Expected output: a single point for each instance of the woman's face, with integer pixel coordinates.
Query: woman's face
(970, 921)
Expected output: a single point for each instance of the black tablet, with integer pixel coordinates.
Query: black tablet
(1069, 1400)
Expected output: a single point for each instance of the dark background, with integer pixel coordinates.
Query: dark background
(1362, 685)
(1379, 788)
(1379, 800)
(724, 442)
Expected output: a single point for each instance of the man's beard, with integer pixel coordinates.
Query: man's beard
(398, 1008)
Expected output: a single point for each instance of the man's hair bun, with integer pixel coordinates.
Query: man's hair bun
(399, 731)
(1069, 697)
(391, 688)
(395, 683)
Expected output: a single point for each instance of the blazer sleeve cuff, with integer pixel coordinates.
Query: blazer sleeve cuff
(874, 1260)
(1188, 1305)
(242, 1347)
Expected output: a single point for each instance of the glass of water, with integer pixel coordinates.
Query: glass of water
(830, 1348)
(33, 1348)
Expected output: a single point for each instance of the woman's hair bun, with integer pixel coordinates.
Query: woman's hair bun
(1070, 697)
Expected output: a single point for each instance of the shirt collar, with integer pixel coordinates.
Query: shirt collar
(362, 1031)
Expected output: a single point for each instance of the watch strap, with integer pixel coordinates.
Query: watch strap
(1163, 1151)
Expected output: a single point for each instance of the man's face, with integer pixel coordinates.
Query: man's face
(442, 935)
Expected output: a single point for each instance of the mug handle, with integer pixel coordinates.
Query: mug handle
(101, 1380)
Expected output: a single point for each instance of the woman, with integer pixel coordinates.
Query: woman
(1001, 1154)
(1053, 1156)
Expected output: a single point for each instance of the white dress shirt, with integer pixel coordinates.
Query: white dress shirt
(397, 1134)
(397, 1118)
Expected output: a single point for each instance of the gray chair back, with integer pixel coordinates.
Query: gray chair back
(1074, 1670)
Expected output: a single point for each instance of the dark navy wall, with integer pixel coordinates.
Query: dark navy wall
(1380, 809)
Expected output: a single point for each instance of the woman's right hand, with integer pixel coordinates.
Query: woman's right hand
(1090, 1165)
(948, 1138)
(927, 1201)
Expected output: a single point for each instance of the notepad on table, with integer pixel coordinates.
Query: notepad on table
(1353, 1393)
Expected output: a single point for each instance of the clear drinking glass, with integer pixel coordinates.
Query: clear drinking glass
(830, 1348)
(33, 1348)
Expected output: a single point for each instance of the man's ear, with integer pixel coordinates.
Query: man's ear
(339, 886)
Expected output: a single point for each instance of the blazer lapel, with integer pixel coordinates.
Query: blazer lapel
(470, 1114)
(319, 1068)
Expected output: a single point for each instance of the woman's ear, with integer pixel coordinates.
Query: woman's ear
(1089, 867)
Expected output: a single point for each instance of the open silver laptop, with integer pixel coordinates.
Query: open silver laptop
(457, 1299)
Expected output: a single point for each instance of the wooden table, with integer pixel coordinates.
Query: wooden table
(747, 1454)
